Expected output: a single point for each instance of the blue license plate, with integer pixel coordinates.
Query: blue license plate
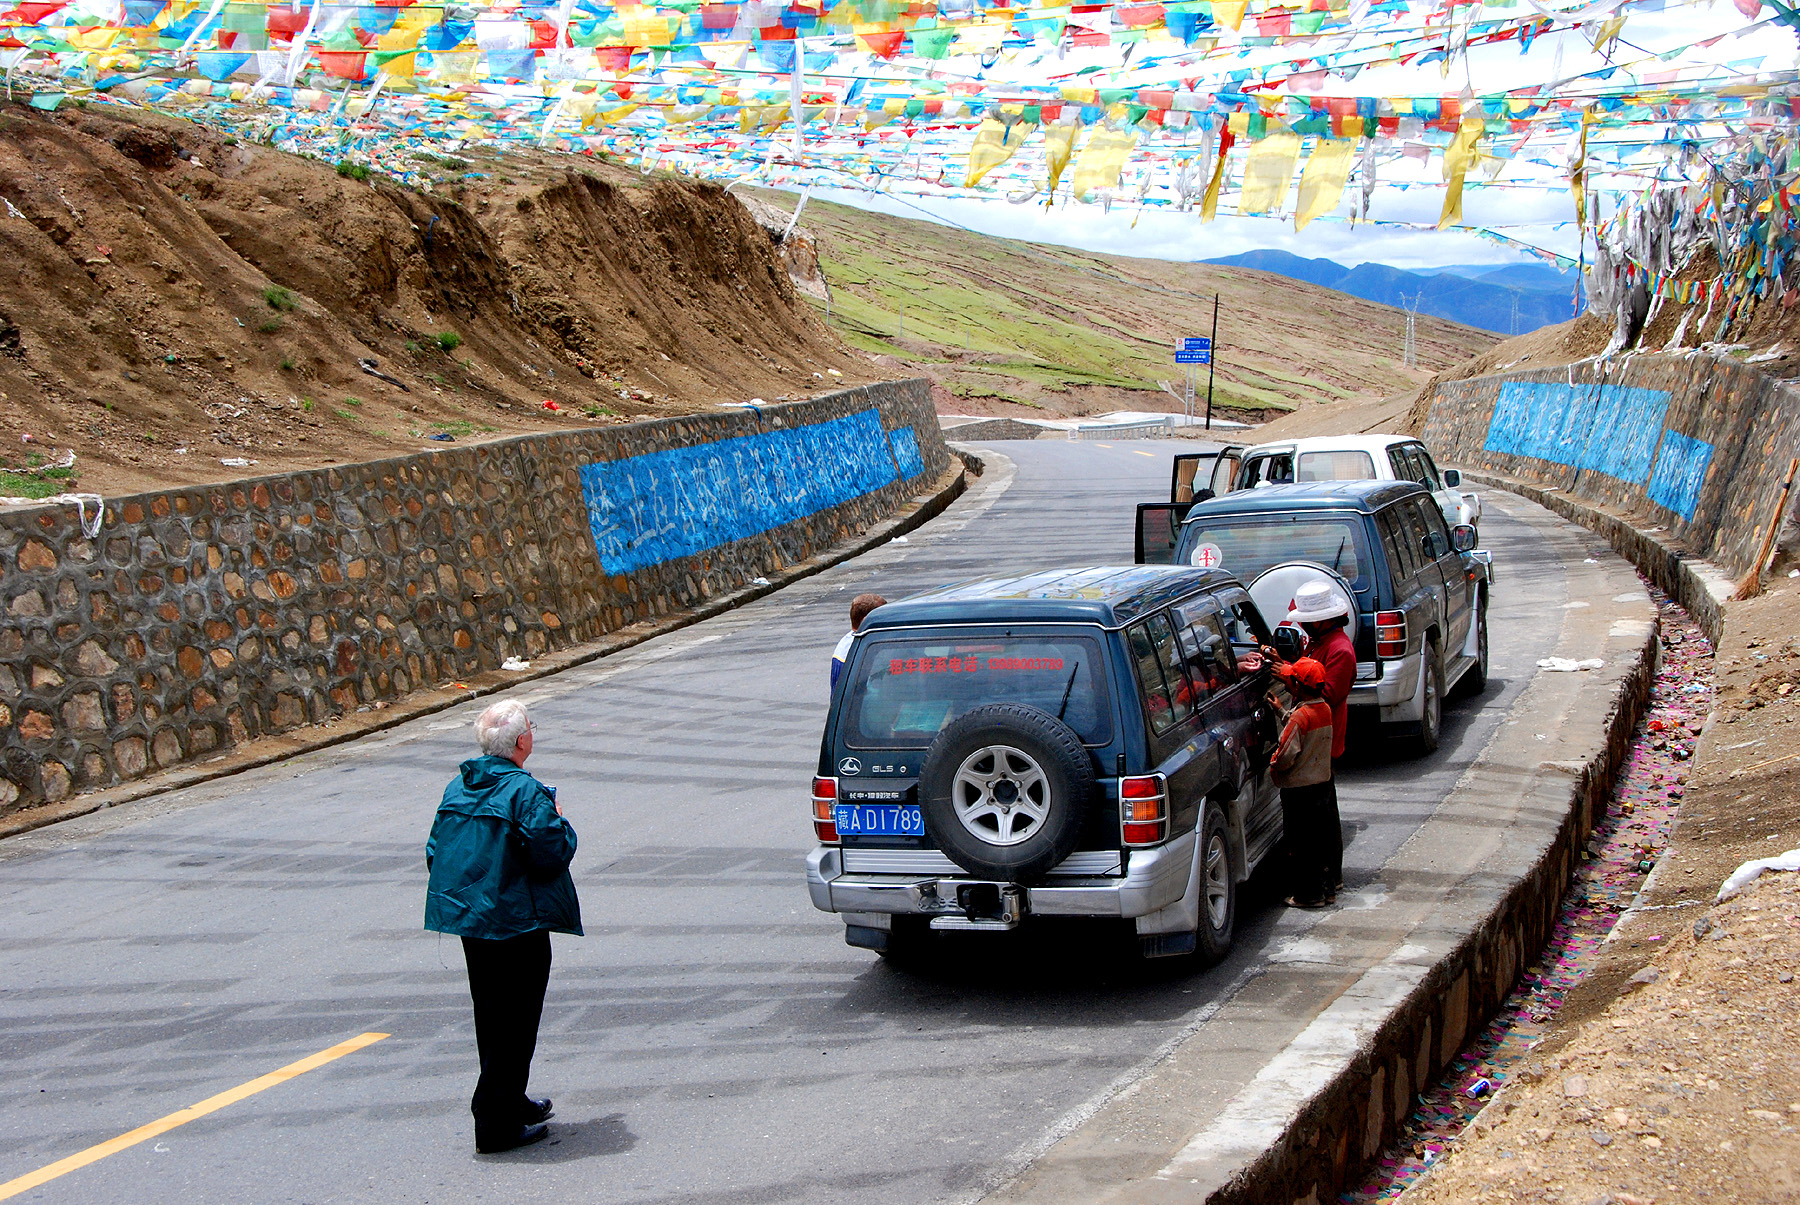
(880, 820)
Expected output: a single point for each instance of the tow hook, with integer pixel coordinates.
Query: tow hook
(985, 906)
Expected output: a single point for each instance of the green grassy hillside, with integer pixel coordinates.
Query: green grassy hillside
(1007, 327)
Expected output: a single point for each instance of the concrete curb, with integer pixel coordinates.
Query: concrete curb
(918, 510)
(1484, 878)
(1701, 587)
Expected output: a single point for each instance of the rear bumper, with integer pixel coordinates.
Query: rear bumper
(1394, 696)
(1153, 879)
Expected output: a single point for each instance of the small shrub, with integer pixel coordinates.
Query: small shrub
(26, 485)
(353, 171)
(352, 401)
(287, 365)
(268, 326)
(306, 404)
(448, 340)
(413, 348)
(278, 298)
(343, 413)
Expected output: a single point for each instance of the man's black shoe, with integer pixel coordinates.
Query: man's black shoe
(537, 1110)
(525, 1136)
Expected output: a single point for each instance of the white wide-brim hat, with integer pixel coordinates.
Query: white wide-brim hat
(1315, 602)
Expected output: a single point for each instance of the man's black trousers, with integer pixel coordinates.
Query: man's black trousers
(507, 979)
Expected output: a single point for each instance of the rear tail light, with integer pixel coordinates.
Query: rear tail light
(1390, 633)
(824, 818)
(1143, 809)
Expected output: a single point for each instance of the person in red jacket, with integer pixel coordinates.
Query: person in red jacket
(1323, 613)
(1301, 767)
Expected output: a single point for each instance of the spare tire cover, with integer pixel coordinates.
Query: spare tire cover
(1005, 790)
(1274, 589)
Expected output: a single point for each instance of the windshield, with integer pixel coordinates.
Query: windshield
(903, 690)
(1245, 545)
(1336, 466)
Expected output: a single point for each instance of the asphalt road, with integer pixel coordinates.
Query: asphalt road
(712, 1038)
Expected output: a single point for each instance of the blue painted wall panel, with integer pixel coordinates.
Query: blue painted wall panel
(906, 452)
(1609, 429)
(1680, 472)
(648, 509)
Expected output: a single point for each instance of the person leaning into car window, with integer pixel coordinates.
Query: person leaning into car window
(1322, 613)
(860, 607)
(1301, 767)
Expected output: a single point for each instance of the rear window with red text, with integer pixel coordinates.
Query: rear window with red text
(903, 691)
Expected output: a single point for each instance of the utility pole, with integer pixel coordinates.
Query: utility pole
(1212, 359)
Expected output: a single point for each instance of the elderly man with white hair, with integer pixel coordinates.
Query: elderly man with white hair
(498, 858)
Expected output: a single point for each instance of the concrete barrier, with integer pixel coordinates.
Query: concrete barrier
(203, 617)
(1692, 443)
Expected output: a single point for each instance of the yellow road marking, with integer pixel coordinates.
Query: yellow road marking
(113, 1146)
(1137, 452)
(1108, 447)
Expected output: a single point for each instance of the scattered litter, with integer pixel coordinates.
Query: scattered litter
(900, 540)
(514, 663)
(12, 211)
(1746, 874)
(459, 686)
(1568, 665)
(549, 404)
(833, 372)
(759, 581)
(373, 368)
(1593, 560)
(1639, 817)
(1480, 1087)
(26, 438)
(235, 462)
(443, 437)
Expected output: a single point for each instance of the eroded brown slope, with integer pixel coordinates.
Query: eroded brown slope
(174, 299)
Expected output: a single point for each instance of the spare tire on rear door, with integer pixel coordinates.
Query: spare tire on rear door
(1004, 791)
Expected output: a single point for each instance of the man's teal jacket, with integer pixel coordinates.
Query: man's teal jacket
(499, 856)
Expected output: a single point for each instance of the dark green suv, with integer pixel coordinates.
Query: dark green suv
(1079, 742)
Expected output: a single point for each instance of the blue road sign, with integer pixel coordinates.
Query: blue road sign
(1202, 355)
(1195, 343)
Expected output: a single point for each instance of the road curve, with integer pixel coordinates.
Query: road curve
(712, 1038)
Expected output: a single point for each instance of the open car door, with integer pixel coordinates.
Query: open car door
(1197, 476)
(1159, 530)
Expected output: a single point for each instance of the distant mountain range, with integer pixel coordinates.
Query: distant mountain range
(1480, 295)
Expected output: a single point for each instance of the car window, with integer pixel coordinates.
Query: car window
(1244, 625)
(903, 690)
(1399, 542)
(1433, 479)
(1150, 676)
(1434, 540)
(1335, 466)
(1209, 657)
(1223, 473)
(1174, 668)
(1245, 545)
(1274, 468)
(1397, 462)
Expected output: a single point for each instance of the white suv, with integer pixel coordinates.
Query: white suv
(1358, 458)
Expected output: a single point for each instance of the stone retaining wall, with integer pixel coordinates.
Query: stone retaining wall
(1693, 443)
(204, 616)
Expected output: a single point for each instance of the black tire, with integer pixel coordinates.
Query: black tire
(1431, 718)
(1005, 790)
(1218, 887)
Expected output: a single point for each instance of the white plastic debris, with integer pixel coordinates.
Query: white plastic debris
(1748, 873)
(1568, 665)
(900, 540)
(514, 663)
(759, 581)
(235, 462)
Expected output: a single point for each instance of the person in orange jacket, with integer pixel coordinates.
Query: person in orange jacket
(1301, 767)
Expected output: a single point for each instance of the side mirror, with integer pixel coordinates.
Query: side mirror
(1452, 479)
(1462, 538)
(1288, 642)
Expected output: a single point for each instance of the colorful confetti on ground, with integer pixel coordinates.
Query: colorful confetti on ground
(1620, 853)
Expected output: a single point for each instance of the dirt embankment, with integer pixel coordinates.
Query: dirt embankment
(179, 298)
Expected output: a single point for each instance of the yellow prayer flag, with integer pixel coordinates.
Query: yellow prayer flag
(1102, 159)
(1059, 148)
(1322, 183)
(1269, 170)
(994, 144)
(1578, 173)
(1209, 204)
(1229, 13)
(1456, 165)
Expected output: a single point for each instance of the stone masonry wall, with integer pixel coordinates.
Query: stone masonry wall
(204, 616)
(1692, 443)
